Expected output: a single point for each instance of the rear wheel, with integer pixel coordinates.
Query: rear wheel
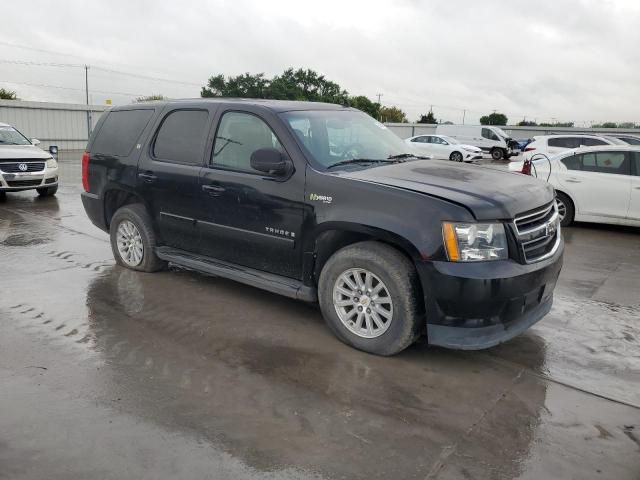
(133, 239)
(47, 191)
(497, 154)
(455, 157)
(369, 297)
(566, 209)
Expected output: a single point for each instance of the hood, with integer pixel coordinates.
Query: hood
(16, 152)
(489, 194)
(470, 147)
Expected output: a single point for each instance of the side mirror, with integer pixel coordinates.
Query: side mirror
(53, 150)
(35, 142)
(271, 161)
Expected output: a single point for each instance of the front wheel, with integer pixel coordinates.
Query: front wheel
(497, 154)
(47, 191)
(566, 210)
(370, 297)
(455, 157)
(133, 239)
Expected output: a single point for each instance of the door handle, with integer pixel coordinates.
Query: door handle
(147, 177)
(213, 190)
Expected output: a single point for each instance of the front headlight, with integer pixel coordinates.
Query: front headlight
(52, 163)
(474, 242)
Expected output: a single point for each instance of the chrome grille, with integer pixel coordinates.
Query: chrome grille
(538, 232)
(14, 167)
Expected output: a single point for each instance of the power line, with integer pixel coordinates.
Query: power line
(43, 85)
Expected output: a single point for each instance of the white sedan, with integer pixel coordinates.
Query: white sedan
(593, 184)
(444, 147)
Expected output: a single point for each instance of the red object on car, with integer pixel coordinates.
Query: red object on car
(526, 167)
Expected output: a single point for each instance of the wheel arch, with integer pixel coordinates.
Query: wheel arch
(116, 197)
(331, 237)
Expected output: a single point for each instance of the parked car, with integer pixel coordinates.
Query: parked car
(594, 184)
(626, 138)
(489, 139)
(324, 204)
(444, 148)
(552, 144)
(24, 166)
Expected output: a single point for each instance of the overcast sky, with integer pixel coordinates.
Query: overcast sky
(548, 59)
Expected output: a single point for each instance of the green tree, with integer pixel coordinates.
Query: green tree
(392, 115)
(606, 125)
(151, 98)
(292, 84)
(526, 123)
(7, 94)
(428, 118)
(626, 125)
(367, 106)
(494, 119)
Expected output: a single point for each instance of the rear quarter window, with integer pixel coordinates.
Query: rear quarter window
(120, 131)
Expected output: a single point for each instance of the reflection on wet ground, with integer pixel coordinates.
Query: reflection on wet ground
(108, 373)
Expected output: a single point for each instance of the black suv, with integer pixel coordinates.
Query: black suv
(324, 204)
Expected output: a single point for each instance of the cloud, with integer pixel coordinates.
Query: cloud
(572, 60)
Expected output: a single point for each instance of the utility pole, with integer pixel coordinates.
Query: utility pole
(86, 94)
(379, 95)
(464, 113)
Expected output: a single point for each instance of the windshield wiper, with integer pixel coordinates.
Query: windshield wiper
(402, 156)
(360, 161)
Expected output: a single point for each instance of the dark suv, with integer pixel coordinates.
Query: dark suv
(322, 203)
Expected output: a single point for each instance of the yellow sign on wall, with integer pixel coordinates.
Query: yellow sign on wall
(108, 101)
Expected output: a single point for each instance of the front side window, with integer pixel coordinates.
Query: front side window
(562, 142)
(10, 136)
(489, 134)
(421, 140)
(338, 135)
(182, 137)
(593, 142)
(240, 134)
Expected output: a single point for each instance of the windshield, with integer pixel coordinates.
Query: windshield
(501, 132)
(333, 136)
(10, 136)
(450, 140)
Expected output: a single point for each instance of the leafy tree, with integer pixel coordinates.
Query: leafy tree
(151, 98)
(447, 123)
(526, 123)
(626, 125)
(557, 124)
(606, 125)
(494, 119)
(367, 106)
(428, 118)
(7, 94)
(290, 85)
(392, 115)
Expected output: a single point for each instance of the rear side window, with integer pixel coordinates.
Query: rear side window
(563, 142)
(182, 137)
(572, 162)
(605, 162)
(120, 132)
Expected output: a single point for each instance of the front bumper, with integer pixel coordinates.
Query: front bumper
(17, 182)
(472, 306)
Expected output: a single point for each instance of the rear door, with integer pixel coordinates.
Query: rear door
(168, 172)
(599, 182)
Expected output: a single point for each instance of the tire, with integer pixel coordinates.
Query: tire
(47, 191)
(456, 157)
(565, 204)
(140, 235)
(398, 277)
(497, 154)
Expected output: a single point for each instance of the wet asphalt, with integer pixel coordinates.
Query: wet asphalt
(107, 373)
